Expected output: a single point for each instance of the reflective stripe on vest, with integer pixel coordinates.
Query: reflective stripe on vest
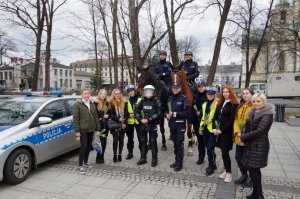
(211, 116)
(131, 111)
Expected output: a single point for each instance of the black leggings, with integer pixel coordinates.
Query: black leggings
(238, 157)
(255, 176)
(118, 140)
(226, 160)
(86, 145)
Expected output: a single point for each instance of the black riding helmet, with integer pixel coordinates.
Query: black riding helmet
(188, 53)
(163, 52)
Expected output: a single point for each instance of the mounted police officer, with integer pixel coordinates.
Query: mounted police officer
(148, 112)
(163, 70)
(177, 116)
(132, 122)
(190, 67)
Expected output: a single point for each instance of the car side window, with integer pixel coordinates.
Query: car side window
(55, 110)
(70, 103)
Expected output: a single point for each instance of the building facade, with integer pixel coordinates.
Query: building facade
(280, 53)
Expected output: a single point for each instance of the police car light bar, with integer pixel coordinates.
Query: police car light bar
(43, 93)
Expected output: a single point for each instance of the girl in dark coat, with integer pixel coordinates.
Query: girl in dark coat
(223, 123)
(103, 114)
(256, 141)
(118, 113)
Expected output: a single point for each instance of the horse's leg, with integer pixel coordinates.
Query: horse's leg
(190, 140)
(162, 131)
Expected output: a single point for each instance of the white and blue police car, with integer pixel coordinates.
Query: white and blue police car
(34, 129)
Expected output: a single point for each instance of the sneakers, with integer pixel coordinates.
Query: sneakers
(222, 175)
(88, 165)
(81, 170)
(228, 177)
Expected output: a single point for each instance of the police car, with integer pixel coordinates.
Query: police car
(34, 129)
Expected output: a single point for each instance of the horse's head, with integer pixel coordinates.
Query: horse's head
(143, 78)
(179, 77)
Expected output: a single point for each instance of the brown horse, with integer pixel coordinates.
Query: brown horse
(180, 77)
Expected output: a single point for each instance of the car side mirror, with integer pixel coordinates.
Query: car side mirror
(44, 120)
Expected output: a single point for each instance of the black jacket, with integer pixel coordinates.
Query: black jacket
(115, 115)
(180, 109)
(256, 139)
(102, 121)
(149, 109)
(225, 118)
(163, 70)
(191, 68)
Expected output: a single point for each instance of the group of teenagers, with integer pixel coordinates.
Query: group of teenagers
(221, 121)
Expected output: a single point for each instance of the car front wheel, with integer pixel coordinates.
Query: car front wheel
(17, 166)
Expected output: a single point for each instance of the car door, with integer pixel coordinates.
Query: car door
(53, 138)
(71, 136)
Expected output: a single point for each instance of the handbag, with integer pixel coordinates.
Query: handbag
(97, 143)
(113, 125)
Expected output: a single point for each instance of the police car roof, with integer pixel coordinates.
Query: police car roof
(40, 99)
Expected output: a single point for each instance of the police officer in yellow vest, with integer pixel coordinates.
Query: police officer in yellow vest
(207, 126)
(132, 122)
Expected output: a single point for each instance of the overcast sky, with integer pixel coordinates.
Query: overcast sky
(66, 49)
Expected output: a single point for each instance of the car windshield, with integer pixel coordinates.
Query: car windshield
(16, 112)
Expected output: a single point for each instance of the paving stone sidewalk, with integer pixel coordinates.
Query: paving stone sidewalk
(59, 178)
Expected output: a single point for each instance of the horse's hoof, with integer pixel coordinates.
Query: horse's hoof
(164, 148)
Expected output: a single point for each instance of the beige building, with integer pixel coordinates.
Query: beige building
(280, 53)
(89, 66)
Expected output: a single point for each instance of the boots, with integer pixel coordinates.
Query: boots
(99, 159)
(241, 180)
(248, 182)
(119, 158)
(143, 159)
(129, 156)
(115, 159)
(154, 151)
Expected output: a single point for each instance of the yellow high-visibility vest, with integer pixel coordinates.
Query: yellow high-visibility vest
(211, 116)
(131, 111)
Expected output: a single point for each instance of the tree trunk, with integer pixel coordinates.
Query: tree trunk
(39, 32)
(218, 44)
(115, 42)
(95, 47)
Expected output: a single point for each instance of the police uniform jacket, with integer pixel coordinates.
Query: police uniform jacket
(180, 110)
(149, 109)
(163, 69)
(191, 68)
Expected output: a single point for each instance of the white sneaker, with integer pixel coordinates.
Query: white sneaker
(222, 175)
(88, 165)
(81, 170)
(228, 177)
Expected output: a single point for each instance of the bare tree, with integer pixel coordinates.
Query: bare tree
(188, 42)
(6, 44)
(254, 24)
(171, 19)
(223, 19)
(31, 15)
(49, 16)
(114, 10)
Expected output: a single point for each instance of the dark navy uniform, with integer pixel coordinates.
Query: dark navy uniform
(200, 98)
(149, 109)
(191, 69)
(177, 123)
(163, 70)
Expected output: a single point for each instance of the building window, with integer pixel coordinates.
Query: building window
(10, 76)
(283, 16)
(281, 62)
(70, 73)
(66, 82)
(66, 73)
(55, 72)
(60, 72)
(61, 82)
(5, 75)
(1, 75)
(71, 83)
